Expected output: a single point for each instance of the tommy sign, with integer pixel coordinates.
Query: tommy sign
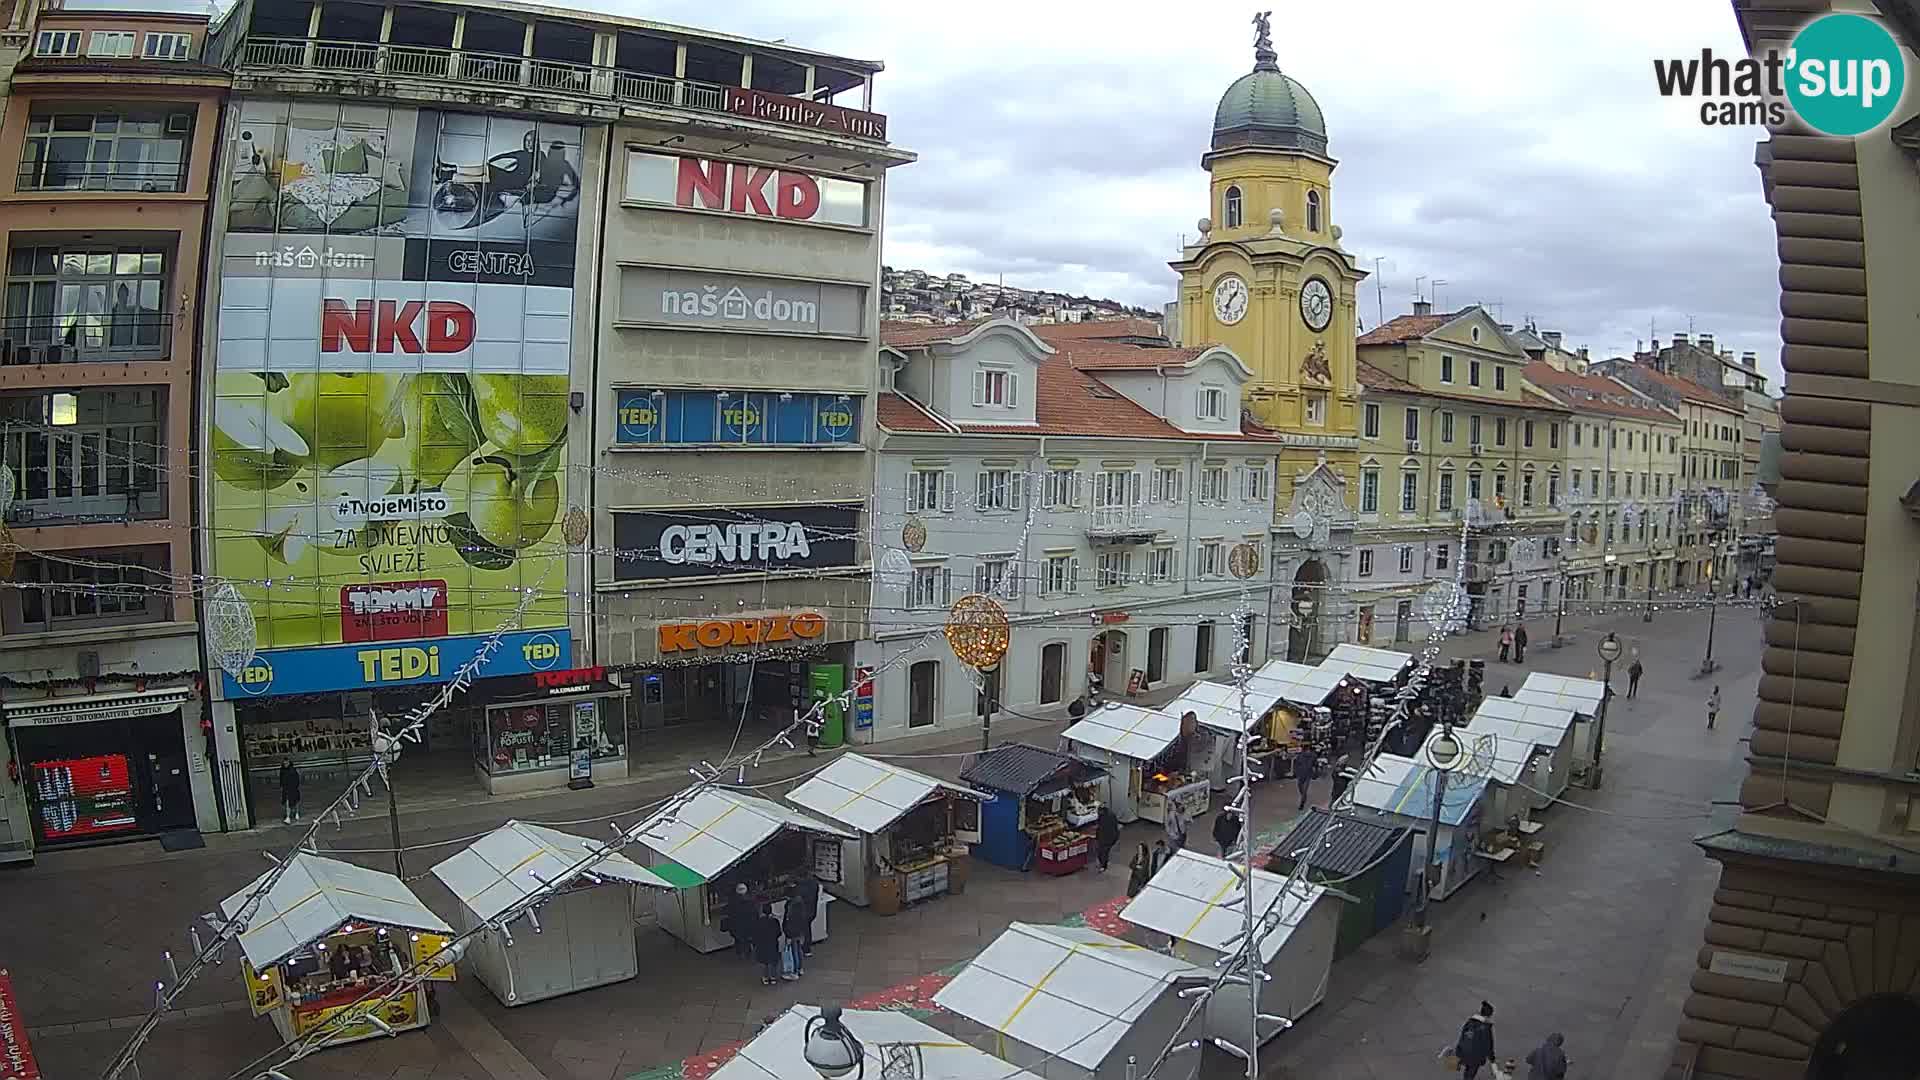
(736, 187)
(733, 302)
(704, 542)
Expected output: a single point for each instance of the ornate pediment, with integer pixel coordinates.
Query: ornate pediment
(1319, 505)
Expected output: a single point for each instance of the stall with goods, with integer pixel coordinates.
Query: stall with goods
(1044, 807)
(1510, 762)
(1399, 792)
(910, 831)
(1224, 713)
(1147, 754)
(1301, 726)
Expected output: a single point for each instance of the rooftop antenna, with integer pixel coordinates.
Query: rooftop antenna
(1418, 278)
(1437, 282)
(1379, 290)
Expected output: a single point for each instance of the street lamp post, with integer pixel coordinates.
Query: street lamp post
(830, 1048)
(1609, 649)
(1443, 753)
(1560, 612)
(989, 682)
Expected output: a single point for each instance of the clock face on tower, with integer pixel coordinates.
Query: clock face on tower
(1316, 304)
(1230, 300)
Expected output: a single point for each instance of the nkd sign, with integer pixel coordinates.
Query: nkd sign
(736, 187)
(733, 302)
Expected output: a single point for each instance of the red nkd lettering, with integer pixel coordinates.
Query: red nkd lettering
(389, 326)
(701, 184)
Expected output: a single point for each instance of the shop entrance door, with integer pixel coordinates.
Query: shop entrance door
(170, 791)
(1053, 663)
(1157, 655)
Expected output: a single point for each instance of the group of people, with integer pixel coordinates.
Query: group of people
(779, 944)
(1473, 1050)
(1513, 642)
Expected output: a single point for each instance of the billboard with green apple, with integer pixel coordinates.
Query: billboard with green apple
(391, 402)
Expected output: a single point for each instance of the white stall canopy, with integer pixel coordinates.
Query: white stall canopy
(508, 864)
(317, 896)
(1562, 692)
(1502, 757)
(1404, 787)
(867, 795)
(1547, 725)
(778, 1052)
(1185, 901)
(1066, 991)
(1364, 662)
(1297, 683)
(718, 828)
(1127, 730)
(1217, 705)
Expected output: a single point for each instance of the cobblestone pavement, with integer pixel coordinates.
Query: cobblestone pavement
(1597, 944)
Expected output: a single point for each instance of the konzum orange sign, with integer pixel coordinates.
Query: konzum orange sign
(720, 633)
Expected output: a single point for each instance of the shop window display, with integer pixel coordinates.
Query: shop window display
(542, 735)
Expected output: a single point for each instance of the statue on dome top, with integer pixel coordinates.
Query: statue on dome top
(1263, 53)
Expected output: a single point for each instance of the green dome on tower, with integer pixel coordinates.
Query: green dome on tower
(1266, 109)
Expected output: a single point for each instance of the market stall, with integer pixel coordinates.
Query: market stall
(778, 1052)
(1398, 792)
(724, 838)
(1366, 860)
(1223, 716)
(1550, 727)
(328, 934)
(1148, 754)
(910, 830)
(1512, 764)
(1378, 666)
(1072, 1003)
(1302, 724)
(1043, 809)
(1581, 696)
(585, 931)
(1187, 903)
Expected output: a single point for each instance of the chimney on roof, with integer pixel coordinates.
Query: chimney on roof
(1423, 307)
(1552, 338)
(1506, 328)
(1706, 342)
(1748, 361)
(1679, 339)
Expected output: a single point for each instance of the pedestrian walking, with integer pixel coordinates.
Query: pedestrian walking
(766, 944)
(1159, 858)
(1520, 644)
(1340, 779)
(796, 925)
(739, 921)
(1475, 1046)
(1226, 829)
(1506, 642)
(1176, 826)
(1548, 1061)
(1506, 690)
(1139, 870)
(1106, 833)
(1303, 771)
(1713, 707)
(809, 890)
(289, 793)
(1634, 671)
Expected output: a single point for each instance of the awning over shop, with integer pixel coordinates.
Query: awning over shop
(1183, 901)
(1217, 705)
(868, 795)
(778, 1052)
(1127, 730)
(84, 708)
(1363, 662)
(1560, 691)
(508, 864)
(1297, 683)
(1403, 786)
(1067, 991)
(718, 828)
(314, 897)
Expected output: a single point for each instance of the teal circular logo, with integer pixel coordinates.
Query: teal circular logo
(1845, 74)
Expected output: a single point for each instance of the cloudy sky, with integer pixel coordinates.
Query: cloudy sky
(1515, 149)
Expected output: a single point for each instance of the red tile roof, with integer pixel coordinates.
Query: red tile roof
(1591, 393)
(1373, 378)
(907, 335)
(1405, 328)
(1115, 356)
(1686, 388)
(1097, 328)
(900, 413)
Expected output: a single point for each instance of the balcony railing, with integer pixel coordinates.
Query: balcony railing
(84, 473)
(136, 176)
(81, 339)
(488, 69)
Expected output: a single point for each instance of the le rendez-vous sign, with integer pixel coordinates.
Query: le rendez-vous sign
(800, 112)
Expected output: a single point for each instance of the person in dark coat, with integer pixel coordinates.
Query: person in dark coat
(1340, 780)
(1106, 833)
(741, 914)
(796, 923)
(1520, 644)
(1303, 770)
(766, 944)
(809, 892)
(1139, 870)
(1548, 1061)
(1634, 671)
(1475, 1047)
(1226, 829)
(1160, 857)
(289, 792)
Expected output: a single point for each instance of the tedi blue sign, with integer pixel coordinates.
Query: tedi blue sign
(735, 418)
(378, 665)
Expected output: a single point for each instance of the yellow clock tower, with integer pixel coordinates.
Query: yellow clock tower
(1267, 277)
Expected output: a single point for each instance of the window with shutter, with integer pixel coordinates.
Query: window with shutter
(979, 387)
(946, 491)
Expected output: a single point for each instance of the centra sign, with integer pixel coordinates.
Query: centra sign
(772, 541)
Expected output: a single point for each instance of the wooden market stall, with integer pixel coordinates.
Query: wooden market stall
(1147, 751)
(326, 936)
(1223, 716)
(1187, 903)
(1301, 724)
(1043, 809)
(910, 831)
(1550, 727)
(1582, 696)
(1368, 861)
(1398, 792)
(1378, 666)
(778, 1052)
(724, 838)
(585, 932)
(1072, 1003)
(1512, 764)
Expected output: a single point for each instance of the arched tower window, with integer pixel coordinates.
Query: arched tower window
(1313, 211)
(1232, 211)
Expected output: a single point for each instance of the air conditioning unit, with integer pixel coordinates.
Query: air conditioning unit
(1413, 446)
(1476, 448)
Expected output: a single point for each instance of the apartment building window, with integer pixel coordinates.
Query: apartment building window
(1446, 489)
(994, 575)
(1062, 489)
(84, 454)
(1406, 558)
(84, 304)
(58, 43)
(1473, 430)
(1593, 484)
(1258, 546)
(1061, 576)
(1500, 486)
(1499, 431)
(1553, 436)
(1446, 427)
(1231, 210)
(1369, 491)
(1370, 421)
(1612, 490)
(90, 588)
(1213, 403)
(87, 148)
(1573, 527)
(1253, 483)
(1160, 565)
(1316, 405)
(1168, 484)
(1473, 483)
(932, 587)
(1000, 489)
(1366, 562)
(1210, 559)
(1473, 373)
(1576, 478)
(929, 491)
(1412, 426)
(1613, 439)
(1526, 489)
(1526, 433)
(1441, 553)
(996, 386)
(1553, 489)
(111, 45)
(1409, 491)
(1203, 647)
(1115, 569)
(1446, 368)
(1499, 377)
(1576, 434)
(167, 47)
(1213, 484)
(1673, 444)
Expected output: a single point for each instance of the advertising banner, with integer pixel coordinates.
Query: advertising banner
(687, 298)
(739, 187)
(703, 542)
(16, 1053)
(735, 418)
(391, 390)
(384, 665)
